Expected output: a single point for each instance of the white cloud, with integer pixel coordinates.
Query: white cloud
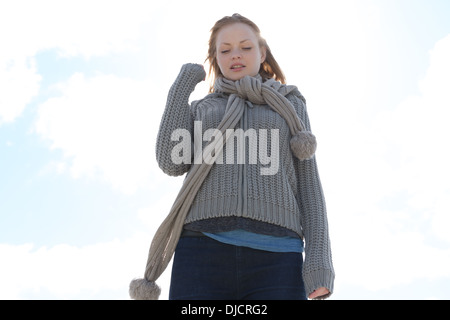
(388, 201)
(19, 83)
(106, 127)
(86, 28)
(83, 27)
(102, 270)
(66, 271)
(417, 130)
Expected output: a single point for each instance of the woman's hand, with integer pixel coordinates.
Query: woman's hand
(319, 292)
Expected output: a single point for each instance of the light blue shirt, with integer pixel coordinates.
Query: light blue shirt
(257, 241)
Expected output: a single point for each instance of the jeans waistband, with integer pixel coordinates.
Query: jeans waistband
(189, 233)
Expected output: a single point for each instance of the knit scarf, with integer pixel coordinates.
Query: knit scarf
(253, 89)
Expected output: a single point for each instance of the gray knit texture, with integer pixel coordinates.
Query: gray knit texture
(292, 198)
(142, 289)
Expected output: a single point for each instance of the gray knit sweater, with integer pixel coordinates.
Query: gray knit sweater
(290, 197)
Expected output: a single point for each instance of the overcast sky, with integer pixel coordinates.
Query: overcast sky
(83, 86)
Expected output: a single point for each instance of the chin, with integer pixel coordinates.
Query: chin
(236, 77)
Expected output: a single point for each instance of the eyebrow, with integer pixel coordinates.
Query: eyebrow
(229, 44)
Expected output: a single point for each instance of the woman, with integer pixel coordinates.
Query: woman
(252, 193)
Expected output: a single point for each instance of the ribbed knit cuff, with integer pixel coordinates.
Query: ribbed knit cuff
(318, 279)
(193, 74)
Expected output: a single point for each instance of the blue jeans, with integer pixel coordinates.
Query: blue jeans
(206, 269)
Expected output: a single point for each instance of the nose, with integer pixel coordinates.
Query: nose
(236, 54)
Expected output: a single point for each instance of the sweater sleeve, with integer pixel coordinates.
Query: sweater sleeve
(318, 268)
(177, 115)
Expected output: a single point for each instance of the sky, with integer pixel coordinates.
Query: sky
(83, 86)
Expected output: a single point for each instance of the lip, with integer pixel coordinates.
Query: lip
(239, 66)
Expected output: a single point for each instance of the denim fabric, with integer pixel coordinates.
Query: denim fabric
(206, 269)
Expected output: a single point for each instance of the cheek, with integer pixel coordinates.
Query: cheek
(255, 58)
(220, 62)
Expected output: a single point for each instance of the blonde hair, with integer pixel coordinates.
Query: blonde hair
(269, 68)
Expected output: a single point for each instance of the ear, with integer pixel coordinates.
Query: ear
(263, 54)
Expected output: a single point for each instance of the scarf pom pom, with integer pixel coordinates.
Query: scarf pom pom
(141, 289)
(303, 145)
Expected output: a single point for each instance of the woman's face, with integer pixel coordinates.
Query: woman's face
(238, 51)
